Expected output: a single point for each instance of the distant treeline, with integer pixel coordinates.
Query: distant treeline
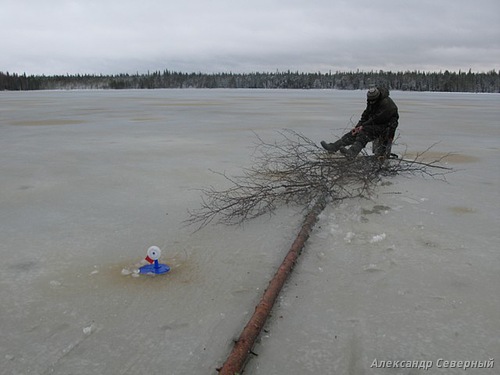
(405, 81)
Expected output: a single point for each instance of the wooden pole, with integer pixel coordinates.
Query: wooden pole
(237, 358)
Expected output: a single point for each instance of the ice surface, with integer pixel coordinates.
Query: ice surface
(377, 238)
(90, 179)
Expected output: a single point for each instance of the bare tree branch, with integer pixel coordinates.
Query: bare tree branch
(295, 171)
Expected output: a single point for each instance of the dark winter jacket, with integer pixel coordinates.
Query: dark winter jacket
(383, 114)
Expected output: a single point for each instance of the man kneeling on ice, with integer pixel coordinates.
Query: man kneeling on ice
(378, 123)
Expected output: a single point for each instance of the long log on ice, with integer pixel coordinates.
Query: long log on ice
(236, 360)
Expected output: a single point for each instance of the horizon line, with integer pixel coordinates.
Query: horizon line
(288, 71)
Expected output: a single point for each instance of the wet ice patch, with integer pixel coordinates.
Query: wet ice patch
(377, 209)
(372, 268)
(443, 157)
(460, 210)
(25, 266)
(47, 122)
(410, 200)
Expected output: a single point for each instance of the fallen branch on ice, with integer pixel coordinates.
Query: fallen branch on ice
(294, 170)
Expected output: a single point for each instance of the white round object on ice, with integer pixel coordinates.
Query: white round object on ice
(154, 252)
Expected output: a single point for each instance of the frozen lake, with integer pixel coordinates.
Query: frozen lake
(90, 179)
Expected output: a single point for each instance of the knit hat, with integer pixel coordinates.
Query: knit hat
(373, 94)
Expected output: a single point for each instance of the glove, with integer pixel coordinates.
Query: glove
(357, 130)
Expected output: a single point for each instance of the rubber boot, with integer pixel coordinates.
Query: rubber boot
(332, 147)
(351, 152)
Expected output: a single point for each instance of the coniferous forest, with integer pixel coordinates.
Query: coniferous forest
(406, 81)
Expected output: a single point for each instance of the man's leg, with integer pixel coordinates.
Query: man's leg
(359, 143)
(383, 144)
(346, 140)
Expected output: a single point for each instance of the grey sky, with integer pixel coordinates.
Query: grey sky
(125, 36)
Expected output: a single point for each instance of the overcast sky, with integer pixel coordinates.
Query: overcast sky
(209, 36)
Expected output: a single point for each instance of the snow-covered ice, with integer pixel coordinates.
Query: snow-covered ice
(91, 179)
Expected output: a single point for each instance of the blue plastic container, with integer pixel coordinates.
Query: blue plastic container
(155, 268)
